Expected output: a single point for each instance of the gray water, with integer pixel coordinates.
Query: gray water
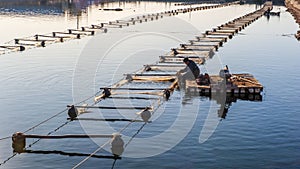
(38, 83)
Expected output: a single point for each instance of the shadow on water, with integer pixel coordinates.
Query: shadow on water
(19, 147)
(70, 154)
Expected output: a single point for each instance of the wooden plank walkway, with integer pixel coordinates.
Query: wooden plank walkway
(207, 43)
(294, 8)
(56, 37)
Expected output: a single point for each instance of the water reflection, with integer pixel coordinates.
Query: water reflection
(72, 154)
(48, 6)
(223, 102)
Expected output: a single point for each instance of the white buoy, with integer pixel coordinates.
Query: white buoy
(145, 114)
(117, 144)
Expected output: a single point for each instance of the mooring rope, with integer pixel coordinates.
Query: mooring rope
(5, 161)
(49, 133)
(113, 165)
(135, 134)
(4, 138)
(102, 146)
(84, 160)
(57, 114)
(35, 126)
(83, 101)
(120, 131)
(42, 122)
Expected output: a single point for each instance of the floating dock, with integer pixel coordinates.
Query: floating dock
(294, 8)
(236, 84)
(204, 46)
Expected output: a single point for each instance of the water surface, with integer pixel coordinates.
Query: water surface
(38, 83)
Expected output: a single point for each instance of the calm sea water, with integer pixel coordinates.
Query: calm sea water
(38, 83)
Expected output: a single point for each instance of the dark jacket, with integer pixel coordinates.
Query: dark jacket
(192, 66)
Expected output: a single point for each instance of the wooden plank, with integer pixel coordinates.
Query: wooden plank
(46, 37)
(181, 57)
(206, 43)
(227, 31)
(110, 107)
(83, 32)
(154, 79)
(13, 47)
(219, 32)
(212, 38)
(194, 46)
(149, 74)
(199, 46)
(166, 65)
(172, 59)
(130, 88)
(56, 34)
(229, 35)
(236, 29)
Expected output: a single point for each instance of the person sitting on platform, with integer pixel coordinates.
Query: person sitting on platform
(190, 72)
(203, 79)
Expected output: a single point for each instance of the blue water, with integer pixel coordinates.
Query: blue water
(38, 83)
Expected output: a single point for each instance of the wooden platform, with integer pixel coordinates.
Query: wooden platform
(237, 84)
(294, 8)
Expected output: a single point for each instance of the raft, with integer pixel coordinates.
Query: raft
(237, 84)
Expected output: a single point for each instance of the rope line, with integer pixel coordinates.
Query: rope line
(42, 122)
(84, 160)
(8, 159)
(135, 134)
(4, 138)
(102, 146)
(88, 98)
(113, 165)
(49, 133)
(120, 131)
(57, 114)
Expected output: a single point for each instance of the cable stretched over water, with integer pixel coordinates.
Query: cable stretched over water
(14, 154)
(42, 122)
(159, 103)
(57, 114)
(46, 120)
(120, 131)
(49, 133)
(92, 154)
(102, 146)
(4, 138)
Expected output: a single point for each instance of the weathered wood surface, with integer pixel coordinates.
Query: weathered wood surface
(238, 83)
(294, 8)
